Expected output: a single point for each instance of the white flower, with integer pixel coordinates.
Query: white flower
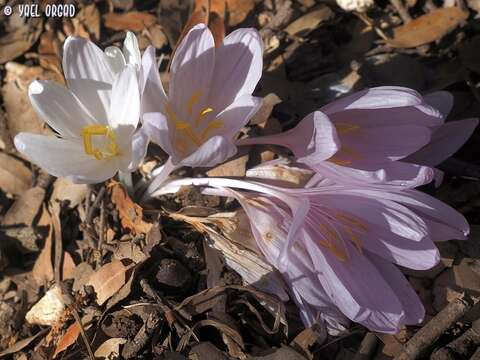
(96, 117)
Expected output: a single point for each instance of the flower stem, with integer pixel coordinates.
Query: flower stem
(126, 179)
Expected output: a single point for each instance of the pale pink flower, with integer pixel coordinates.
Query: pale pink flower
(96, 116)
(384, 135)
(209, 97)
(337, 245)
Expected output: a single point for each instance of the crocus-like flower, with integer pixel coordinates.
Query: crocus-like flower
(383, 135)
(209, 97)
(346, 242)
(96, 117)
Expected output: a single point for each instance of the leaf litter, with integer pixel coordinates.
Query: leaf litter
(182, 275)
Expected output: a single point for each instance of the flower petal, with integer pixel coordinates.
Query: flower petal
(212, 152)
(237, 115)
(139, 143)
(238, 67)
(89, 75)
(191, 70)
(59, 108)
(441, 100)
(156, 126)
(124, 113)
(66, 158)
(153, 94)
(131, 50)
(115, 58)
(446, 140)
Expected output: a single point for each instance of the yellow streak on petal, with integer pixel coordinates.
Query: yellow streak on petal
(332, 237)
(215, 124)
(344, 128)
(193, 100)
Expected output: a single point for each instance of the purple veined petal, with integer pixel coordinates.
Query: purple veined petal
(368, 148)
(151, 88)
(413, 307)
(428, 207)
(212, 152)
(89, 75)
(59, 108)
(115, 58)
(238, 67)
(313, 140)
(191, 72)
(358, 289)
(446, 140)
(60, 157)
(375, 98)
(237, 115)
(394, 173)
(441, 100)
(157, 127)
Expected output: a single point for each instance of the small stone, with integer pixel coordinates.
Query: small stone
(48, 310)
(356, 5)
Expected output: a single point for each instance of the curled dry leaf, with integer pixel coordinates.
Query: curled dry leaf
(238, 10)
(110, 348)
(130, 213)
(263, 114)
(427, 28)
(68, 339)
(107, 280)
(15, 176)
(20, 35)
(308, 22)
(132, 20)
(48, 310)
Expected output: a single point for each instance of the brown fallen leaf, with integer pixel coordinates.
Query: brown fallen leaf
(87, 20)
(42, 270)
(263, 114)
(15, 176)
(427, 28)
(19, 345)
(68, 339)
(20, 114)
(130, 213)
(20, 34)
(110, 347)
(134, 21)
(49, 51)
(233, 167)
(65, 190)
(107, 280)
(25, 208)
(308, 22)
(238, 11)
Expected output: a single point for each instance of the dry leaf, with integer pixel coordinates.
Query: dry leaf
(20, 35)
(50, 50)
(134, 21)
(68, 339)
(107, 280)
(288, 175)
(110, 347)
(68, 266)
(19, 345)
(25, 208)
(48, 310)
(42, 270)
(15, 176)
(238, 10)
(20, 114)
(234, 167)
(65, 190)
(308, 22)
(87, 21)
(263, 114)
(130, 213)
(427, 28)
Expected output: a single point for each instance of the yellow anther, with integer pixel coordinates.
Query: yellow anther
(350, 219)
(212, 125)
(345, 152)
(201, 115)
(110, 148)
(193, 100)
(343, 128)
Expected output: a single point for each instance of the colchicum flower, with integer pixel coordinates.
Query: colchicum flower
(384, 135)
(346, 241)
(96, 117)
(209, 97)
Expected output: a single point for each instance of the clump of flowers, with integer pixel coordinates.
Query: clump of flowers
(337, 238)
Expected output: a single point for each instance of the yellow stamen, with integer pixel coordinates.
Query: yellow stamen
(330, 241)
(111, 148)
(201, 115)
(345, 152)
